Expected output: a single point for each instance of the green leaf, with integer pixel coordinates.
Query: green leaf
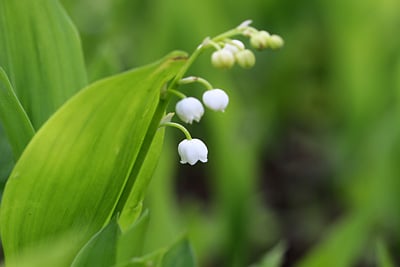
(274, 257)
(46, 254)
(131, 242)
(133, 204)
(15, 122)
(6, 159)
(101, 249)
(41, 52)
(76, 171)
(179, 255)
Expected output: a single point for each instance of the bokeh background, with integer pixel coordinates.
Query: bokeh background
(305, 158)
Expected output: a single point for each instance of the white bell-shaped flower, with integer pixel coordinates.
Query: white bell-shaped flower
(189, 109)
(215, 99)
(192, 150)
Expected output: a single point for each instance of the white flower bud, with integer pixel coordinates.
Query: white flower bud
(239, 44)
(192, 150)
(275, 41)
(259, 40)
(189, 109)
(222, 59)
(234, 46)
(216, 99)
(245, 58)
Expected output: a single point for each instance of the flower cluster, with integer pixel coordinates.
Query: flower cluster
(233, 51)
(228, 52)
(190, 109)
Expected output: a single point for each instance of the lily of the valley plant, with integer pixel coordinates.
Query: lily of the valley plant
(228, 51)
(84, 159)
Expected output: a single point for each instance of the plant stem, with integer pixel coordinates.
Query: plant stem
(206, 44)
(178, 126)
(177, 93)
(192, 79)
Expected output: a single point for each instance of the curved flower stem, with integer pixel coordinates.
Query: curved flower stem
(210, 42)
(178, 126)
(177, 93)
(192, 79)
(227, 34)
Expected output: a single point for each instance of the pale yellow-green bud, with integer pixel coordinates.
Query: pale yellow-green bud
(245, 58)
(259, 40)
(275, 41)
(234, 46)
(222, 59)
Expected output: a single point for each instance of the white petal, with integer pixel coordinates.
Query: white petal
(216, 99)
(234, 46)
(192, 151)
(231, 48)
(189, 109)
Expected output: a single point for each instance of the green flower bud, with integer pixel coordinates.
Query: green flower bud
(222, 59)
(245, 58)
(275, 41)
(259, 40)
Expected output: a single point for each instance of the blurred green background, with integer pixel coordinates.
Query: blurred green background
(307, 153)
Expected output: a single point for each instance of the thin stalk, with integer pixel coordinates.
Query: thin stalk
(177, 93)
(178, 126)
(192, 79)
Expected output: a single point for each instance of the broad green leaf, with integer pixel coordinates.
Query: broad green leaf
(101, 250)
(74, 172)
(46, 254)
(131, 241)
(133, 204)
(40, 51)
(6, 159)
(274, 257)
(15, 122)
(179, 255)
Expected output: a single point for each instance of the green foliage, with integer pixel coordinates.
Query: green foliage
(132, 197)
(16, 123)
(41, 54)
(84, 158)
(131, 242)
(101, 249)
(46, 254)
(307, 150)
(179, 255)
